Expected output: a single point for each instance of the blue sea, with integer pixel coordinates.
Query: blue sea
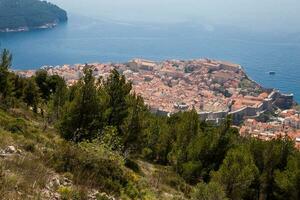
(84, 40)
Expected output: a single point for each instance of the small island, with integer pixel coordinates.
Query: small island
(25, 15)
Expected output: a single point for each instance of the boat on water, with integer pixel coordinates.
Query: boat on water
(272, 73)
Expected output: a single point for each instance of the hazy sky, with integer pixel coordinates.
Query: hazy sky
(266, 15)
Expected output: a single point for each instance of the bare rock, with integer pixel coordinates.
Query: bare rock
(46, 194)
(94, 194)
(66, 182)
(55, 182)
(19, 151)
(11, 149)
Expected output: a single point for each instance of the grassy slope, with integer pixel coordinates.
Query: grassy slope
(23, 174)
(26, 173)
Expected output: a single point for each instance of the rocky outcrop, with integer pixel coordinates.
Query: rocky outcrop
(9, 151)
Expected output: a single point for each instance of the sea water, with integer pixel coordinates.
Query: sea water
(84, 40)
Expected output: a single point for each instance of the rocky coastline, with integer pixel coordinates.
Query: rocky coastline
(26, 28)
(26, 15)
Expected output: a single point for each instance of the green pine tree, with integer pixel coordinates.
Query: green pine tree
(83, 117)
(58, 99)
(237, 173)
(5, 82)
(31, 94)
(117, 89)
(41, 79)
(134, 125)
(211, 191)
(288, 181)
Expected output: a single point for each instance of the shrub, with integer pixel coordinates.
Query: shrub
(111, 139)
(69, 193)
(17, 126)
(132, 165)
(190, 171)
(29, 146)
(147, 153)
(131, 191)
(211, 191)
(91, 164)
(65, 192)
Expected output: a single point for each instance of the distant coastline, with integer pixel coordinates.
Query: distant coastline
(26, 28)
(95, 40)
(26, 15)
(223, 80)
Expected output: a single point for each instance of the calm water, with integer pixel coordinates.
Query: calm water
(84, 40)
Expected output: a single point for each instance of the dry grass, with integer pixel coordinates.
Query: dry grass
(163, 181)
(22, 177)
(25, 175)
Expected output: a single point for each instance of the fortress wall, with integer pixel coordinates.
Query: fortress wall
(212, 115)
(284, 101)
(267, 104)
(240, 114)
(229, 68)
(275, 98)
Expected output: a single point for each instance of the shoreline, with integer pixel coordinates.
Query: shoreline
(76, 65)
(215, 89)
(26, 29)
(221, 69)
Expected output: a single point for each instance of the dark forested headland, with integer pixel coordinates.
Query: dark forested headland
(23, 15)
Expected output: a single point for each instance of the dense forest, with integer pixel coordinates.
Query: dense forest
(15, 14)
(106, 133)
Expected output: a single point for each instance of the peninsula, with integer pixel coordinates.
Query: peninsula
(25, 15)
(214, 89)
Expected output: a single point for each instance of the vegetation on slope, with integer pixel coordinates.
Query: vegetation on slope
(101, 136)
(42, 158)
(15, 14)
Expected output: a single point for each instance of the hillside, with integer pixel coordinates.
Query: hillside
(33, 161)
(98, 140)
(22, 15)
